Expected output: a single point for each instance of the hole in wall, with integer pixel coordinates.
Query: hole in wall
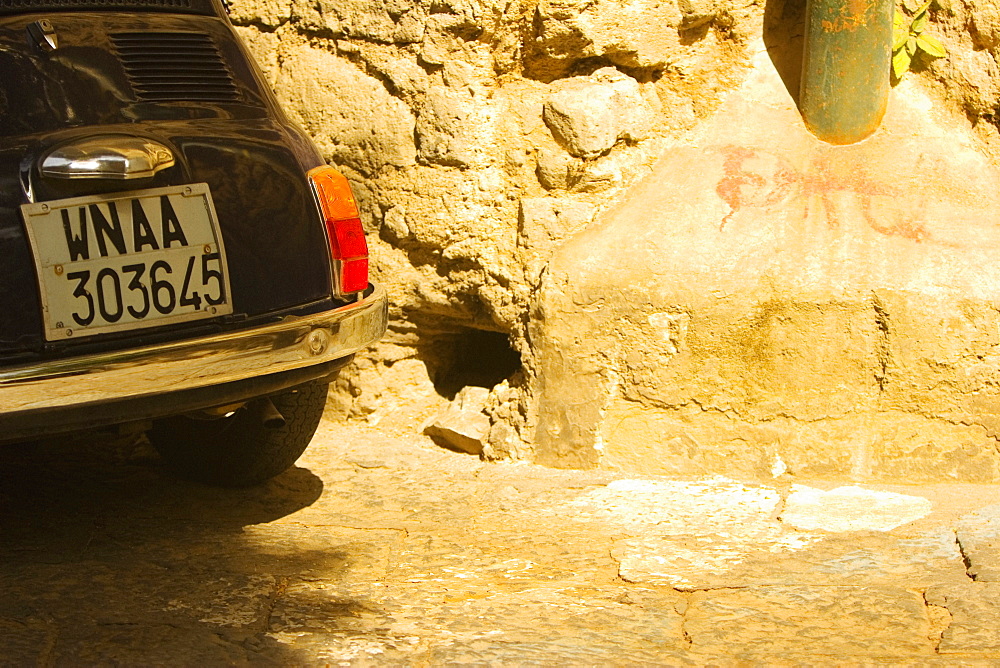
(470, 357)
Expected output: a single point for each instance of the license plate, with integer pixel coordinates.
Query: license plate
(127, 261)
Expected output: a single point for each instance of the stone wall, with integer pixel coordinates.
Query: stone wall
(482, 136)
(478, 135)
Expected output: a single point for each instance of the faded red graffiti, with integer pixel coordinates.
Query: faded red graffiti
(772, 179)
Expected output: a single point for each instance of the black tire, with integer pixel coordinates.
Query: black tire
(240, 451)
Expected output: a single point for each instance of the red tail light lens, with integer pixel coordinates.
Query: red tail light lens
(348, 248)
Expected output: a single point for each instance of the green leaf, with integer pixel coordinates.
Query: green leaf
(918, 24)
(900, 63)
(911, 45)
(900, 31)
(899, 38)
(923, 9)
(931, 46)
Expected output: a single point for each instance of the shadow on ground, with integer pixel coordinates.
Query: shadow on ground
(105, 558)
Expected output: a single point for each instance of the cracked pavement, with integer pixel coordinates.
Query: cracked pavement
(381, 548)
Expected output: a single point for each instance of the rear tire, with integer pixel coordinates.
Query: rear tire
(240, 451)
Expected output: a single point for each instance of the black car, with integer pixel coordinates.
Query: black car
(175, 253)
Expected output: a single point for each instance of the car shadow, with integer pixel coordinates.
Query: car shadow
(107, 558)
(42, 481)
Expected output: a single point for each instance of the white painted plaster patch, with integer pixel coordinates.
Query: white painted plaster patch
(778, 468)
(716, 505)
(686, 531)
(851, 509)
(718, 532)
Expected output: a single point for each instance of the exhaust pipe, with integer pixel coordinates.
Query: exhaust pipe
(264, 411)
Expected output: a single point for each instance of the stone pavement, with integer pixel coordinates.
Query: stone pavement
(384, 549)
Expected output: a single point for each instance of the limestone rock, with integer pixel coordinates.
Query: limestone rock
(721, 533)
(503, 442)
(350, 115)
(270, 13)
(972, 75)
(596, 175)
(455, 128)
(554, 169)
(695, 13)
(264, 48)
(464, 426)
(590, 114)
(809, 621)
(384, 21)
(385, 387)
(771, 555)
(641, 34)
(459, 74)
(445, 35)
(975, 613)
(371, 80)
(986, 25)
(405, 76)
(394, 221)
(543, 223)
(979, 536)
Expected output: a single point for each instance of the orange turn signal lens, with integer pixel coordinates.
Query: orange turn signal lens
(334, 193)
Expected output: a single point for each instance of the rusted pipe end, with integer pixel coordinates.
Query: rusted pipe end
(845, 68)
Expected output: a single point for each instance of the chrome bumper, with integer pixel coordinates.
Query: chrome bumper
(293, 343)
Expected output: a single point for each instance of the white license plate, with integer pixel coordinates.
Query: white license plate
(127, 261)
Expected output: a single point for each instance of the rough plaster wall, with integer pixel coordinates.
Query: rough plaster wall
(784, 305)
(481, 135)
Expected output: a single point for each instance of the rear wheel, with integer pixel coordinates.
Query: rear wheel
(246, 448)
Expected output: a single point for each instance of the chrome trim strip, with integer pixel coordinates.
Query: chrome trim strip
(294, 343)
(114, 157)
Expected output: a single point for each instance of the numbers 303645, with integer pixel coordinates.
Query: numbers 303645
(139, 289)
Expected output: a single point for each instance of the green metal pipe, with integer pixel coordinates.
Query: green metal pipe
(845, 68)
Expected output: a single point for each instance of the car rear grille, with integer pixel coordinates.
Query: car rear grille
(11, 6)
(175, 67)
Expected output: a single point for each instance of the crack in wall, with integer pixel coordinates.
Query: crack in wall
(962, 423)
(966, 558)
(682, 608)
(939, 618)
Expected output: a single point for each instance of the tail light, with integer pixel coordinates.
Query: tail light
(348, 248)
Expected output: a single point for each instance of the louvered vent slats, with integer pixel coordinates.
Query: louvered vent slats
(175, 67)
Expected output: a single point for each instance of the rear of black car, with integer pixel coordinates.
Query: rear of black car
(173, 249)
